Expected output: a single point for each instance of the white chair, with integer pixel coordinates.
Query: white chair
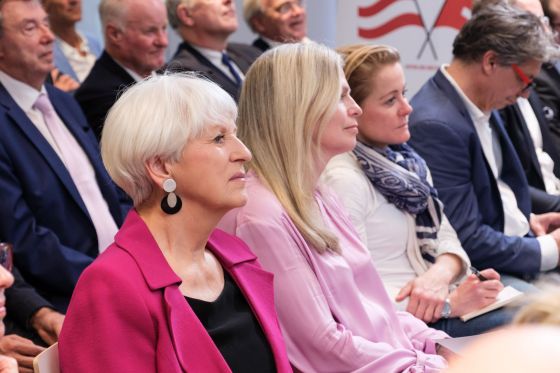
(47, 361)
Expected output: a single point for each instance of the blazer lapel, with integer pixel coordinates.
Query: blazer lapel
(80, 129)
(21, 120)
(512, 172)
(256, 285)
(195, 350)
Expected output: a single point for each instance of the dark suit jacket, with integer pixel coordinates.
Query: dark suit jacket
(41, 211)
(261, 44)
(128, 314)
(548, 89)
(520, 137)
(189, 59)
(99, 91)
(444, 134)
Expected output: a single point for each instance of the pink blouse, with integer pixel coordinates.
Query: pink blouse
(333, 310)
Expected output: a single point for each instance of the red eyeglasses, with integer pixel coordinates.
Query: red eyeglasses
(529, 83)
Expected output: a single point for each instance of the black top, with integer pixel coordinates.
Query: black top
(234, 329)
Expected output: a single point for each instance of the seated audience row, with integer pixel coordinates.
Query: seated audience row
(183, 175)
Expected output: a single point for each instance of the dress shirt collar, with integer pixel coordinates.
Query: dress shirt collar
(137, 78)
(477, 115)
(23, 94)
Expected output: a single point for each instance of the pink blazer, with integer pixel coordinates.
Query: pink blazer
(128, 315)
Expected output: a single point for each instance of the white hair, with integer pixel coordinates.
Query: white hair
(155, 118)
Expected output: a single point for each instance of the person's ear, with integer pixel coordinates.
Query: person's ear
(158, 170)
(113, 33)
(184, 15)
(489, 62)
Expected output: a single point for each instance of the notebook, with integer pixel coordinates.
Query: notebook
(507, 295)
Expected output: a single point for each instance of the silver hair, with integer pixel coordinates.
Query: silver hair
(514, 35)
(154, 119)
(250, 9)
(172, 10)
(113, 11)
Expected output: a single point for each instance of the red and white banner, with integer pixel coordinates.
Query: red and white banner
(422, 30)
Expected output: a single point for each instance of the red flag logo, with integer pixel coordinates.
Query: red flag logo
(400, 20)
(453, 14)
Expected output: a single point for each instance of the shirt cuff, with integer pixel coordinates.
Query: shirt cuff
(549, 252)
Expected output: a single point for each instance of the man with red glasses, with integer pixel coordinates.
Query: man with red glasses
(529, 131)
(475, 168)
(276, 21)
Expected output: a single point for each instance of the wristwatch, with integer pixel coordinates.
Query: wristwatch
(446, 311)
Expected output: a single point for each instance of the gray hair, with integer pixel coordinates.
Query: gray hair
(514, 35)
(113, 11)
(172, 10)
(154, 119)
(250, 9)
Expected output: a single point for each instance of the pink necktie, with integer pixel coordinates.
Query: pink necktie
(81, 172)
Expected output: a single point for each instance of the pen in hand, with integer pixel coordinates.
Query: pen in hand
(478, 274)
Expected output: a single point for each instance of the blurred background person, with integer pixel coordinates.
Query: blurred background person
(276, 21)
(135, 33)
(205, 27)
(173, 294)
(519, 349)
(74, 52)
(333, 309)
(386, 187)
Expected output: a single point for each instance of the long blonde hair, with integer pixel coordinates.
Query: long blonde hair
(288, 96)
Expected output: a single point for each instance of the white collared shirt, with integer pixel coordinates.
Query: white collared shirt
(515, 223)
(215, 57)
(551, 182)
(80, 64)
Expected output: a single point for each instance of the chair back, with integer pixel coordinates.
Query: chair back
(47, 361)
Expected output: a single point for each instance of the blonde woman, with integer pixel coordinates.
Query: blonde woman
(295, 114)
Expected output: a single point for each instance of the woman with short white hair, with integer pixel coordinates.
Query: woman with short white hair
(173, 294)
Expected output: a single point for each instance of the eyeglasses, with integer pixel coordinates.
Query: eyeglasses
(6, 256)
(529, 83)
(289, 6)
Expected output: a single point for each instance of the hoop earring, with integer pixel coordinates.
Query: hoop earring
(171, 203)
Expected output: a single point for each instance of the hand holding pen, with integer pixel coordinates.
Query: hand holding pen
(478, 274)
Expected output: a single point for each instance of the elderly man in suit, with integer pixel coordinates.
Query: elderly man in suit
(58, 206)
(205, 26)
(529, 131)
(276, 21)
(135, 34)
(474, 166)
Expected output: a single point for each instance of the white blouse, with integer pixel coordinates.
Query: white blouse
(388, 232)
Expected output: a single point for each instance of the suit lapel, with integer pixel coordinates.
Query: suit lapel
(512, 172)
(208, 68)
(256, 285)
(35, 137)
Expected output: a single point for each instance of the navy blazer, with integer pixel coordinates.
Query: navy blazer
(99, 91)
(444, 135)
(41, 211)
(187, 58)
(522, 141)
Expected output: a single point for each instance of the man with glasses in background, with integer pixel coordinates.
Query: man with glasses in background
(205, 27)
(529, 132)
(455, 127)
(276, 21)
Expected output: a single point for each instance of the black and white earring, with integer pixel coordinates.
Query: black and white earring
(171, 203)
